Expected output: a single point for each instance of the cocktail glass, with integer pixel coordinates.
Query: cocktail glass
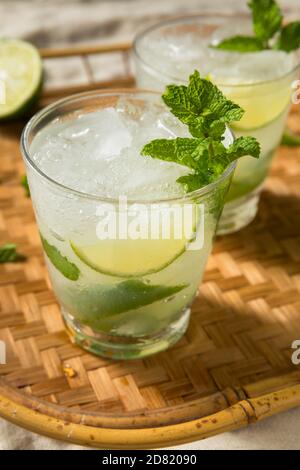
(122, 296)
(261, 83)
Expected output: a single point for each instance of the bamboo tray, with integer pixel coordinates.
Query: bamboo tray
(232, 368)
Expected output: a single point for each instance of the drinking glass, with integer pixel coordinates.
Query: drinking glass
(122, 297)
(170, 51)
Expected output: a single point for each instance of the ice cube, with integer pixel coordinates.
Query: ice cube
(102, 133)
(100, 153)
(141, 177)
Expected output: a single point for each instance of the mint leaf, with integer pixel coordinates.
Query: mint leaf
(62, 264)
(217, 129)
(9, 254)
(108, 300)
(206, 111)
(243, 146)
(289, 38)
(24, 183)
(181, 150)
(267, 18)
(209, 102)
(178, 100)
(290, 139)
(240, 44)
(195, 181)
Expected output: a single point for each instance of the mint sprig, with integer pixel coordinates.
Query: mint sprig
(206, 111)
(268, 29)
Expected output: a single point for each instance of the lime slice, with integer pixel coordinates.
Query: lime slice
(262, 103)
(130, 258)
(134, 258)
(20, 77)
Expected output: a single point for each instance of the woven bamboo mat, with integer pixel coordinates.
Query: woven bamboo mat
(233, 366)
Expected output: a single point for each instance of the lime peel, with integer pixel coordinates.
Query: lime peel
(21, 66)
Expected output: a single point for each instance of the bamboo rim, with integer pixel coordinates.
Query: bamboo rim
(243, 413)
(239, 415)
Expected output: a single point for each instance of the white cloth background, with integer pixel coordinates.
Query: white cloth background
(56, 23)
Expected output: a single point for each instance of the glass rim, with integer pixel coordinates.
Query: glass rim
(185, 18)
(40, 115)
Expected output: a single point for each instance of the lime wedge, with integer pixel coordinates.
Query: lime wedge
(134, 258)
(20, 77)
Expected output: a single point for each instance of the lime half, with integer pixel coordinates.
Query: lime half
(20, 77)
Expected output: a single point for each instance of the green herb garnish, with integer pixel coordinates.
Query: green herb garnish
(24, 183)
(269, 31)
(9, 253)
(240, 44)
(289, 38)
(206, 111)
(290, 138)
(62, 264)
